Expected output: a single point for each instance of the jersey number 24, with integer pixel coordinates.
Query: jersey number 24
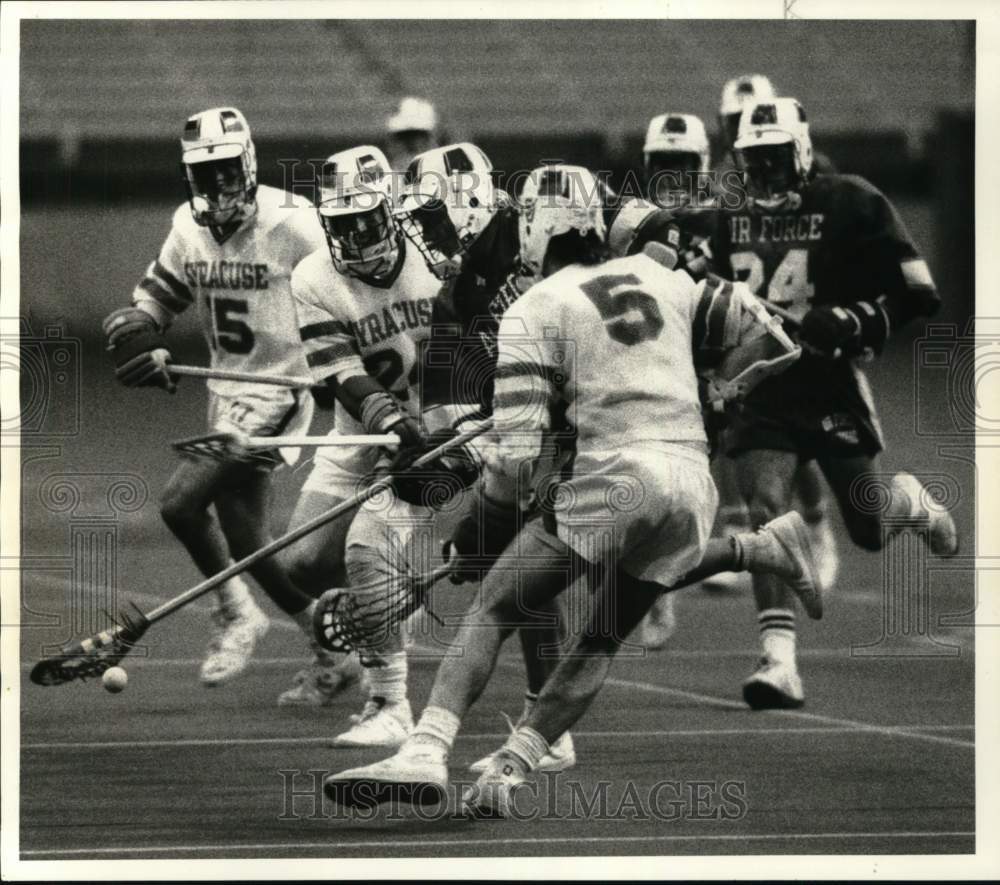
(789, 286)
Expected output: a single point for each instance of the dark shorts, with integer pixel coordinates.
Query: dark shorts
(843, 431)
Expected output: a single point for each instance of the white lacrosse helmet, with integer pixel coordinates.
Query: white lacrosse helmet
(219, 162)
(447, 200)
(774, 150)
(555, 200)
(355, 209)
(736, 95)
(676, 148)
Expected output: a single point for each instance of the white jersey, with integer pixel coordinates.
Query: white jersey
(613, 345)
(355, 327)
(242, 287)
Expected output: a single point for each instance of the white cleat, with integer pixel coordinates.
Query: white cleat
(655, 630)
(379, 725)
(410, 779)
(774, 686)
(493, 794)
(941, 527)
(326, 677)
(236, 635)
(561, 756)
(781, 548)
(824, 547)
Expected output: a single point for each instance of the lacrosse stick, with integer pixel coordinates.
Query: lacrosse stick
(362, 617)
(91, 657)
(787, 317)
(245, 377)
(794, 324)
(236, 446)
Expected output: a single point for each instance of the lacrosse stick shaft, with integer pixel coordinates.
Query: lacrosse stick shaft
(794, 323)
(306, 528)
(787, 317)
(360, 439)
(245, 377)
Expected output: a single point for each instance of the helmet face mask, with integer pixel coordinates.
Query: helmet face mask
(675, 152)
(770, 170)
(447, 203)
(672, 177)
(355, 210)
(774, 151)
(361, 243)
(219, 163)
(218, 190)
(427, 224)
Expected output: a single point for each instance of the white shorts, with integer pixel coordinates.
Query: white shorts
(260, 411)
(650, 507)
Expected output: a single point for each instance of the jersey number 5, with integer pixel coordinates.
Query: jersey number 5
(789, 287)
(231, 334)
(630, 315)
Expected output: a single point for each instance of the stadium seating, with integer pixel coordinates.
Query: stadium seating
(92, 79)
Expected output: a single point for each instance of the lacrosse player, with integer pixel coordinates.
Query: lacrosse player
(364, 303)
(470, 235)
(640, 476)
(832, 251)
(230, 252)
(737, 94)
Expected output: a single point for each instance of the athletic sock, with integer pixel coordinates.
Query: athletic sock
(433, 735)
(234, 594)
(304, 619)
(527, 746)
(389, 680)
(777, 634)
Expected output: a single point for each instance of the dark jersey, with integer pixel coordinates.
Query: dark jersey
(461, 358)
(843, 243)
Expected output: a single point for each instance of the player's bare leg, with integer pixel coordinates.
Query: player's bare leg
(187, 509)
(418, 772)
(620, 602)
(766, 479)
(244, 517)
(732, 517)
(540, 648)
(812, 504)
(376, 537)
(315, 564)
(907, 500)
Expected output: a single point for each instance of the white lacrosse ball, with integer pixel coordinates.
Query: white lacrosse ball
(114, 679)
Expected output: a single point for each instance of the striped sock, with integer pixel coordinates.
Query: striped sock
(777, 634)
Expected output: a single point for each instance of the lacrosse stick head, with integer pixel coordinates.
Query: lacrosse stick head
(225, 446)
(89, 658)
(362, 617)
